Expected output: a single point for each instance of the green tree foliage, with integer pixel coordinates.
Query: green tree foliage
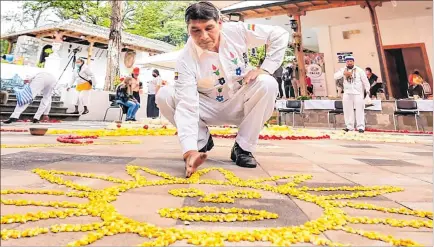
(260, 54)
(162, 20)
(95, 12)
(4, 46)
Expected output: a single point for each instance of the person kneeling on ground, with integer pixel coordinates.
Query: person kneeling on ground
(41, 82)
(124, 97)
(215, 85)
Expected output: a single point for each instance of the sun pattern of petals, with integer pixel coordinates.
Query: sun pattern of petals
(99, 206)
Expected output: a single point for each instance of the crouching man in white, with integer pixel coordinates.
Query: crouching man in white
(215, 85)
(356, 84)
(42, 82)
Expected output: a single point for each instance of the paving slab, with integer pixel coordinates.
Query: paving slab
(332, 163)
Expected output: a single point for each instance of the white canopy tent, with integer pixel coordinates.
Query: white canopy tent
(166, 61)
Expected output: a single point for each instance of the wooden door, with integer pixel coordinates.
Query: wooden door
(393, 73)
(413, 59)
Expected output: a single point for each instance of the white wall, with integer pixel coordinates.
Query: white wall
(393, 32)
(98, 104)
(97, 64)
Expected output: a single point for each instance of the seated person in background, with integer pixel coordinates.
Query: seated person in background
(4, 96)
(124, 97)
(415, 81)
(375, 86)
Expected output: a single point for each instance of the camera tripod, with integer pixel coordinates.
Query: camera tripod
(73, 58)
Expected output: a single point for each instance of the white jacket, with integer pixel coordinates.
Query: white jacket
(219, 75)
(86, 73)
(359, 82)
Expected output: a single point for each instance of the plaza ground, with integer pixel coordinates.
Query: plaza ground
(332, 163)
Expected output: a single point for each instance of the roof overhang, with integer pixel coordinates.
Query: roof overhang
(72, 32)
(263, 9)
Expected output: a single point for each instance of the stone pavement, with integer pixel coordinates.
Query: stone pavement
(331, 163)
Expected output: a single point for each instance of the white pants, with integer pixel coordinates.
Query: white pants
(249, 108)
(82, 98)
(351, 102)
(43, 82)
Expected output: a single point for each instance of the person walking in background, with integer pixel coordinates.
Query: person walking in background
(41, 82)
(152, 110)
(84, 78)
(278, 76)
(135, 85)
(375, 86)
(355, 85)
(124, 97)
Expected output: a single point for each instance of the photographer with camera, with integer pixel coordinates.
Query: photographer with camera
(356, 84)
(84, 78)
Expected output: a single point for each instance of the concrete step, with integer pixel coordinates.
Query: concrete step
(33, 108)
(39, 97)
(57, 116)
(36, 102)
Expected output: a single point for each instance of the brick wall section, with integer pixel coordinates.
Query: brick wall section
(375, 119)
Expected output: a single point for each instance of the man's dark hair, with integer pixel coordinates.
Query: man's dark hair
(369, 69)
(155, 71)
(202, 11)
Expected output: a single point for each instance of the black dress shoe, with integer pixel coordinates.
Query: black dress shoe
(85, 112)
(346, 130)
(242, 158)
(209, 145)
(35, 120)
(10, 120)
(361, 131)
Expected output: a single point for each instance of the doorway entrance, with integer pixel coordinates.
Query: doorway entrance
(401, 61)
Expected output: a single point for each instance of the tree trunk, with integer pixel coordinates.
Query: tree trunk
(114, 45)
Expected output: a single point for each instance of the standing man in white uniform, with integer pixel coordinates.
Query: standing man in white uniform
(84, 78)
(356, 84)
(214, 84)
(42, 82)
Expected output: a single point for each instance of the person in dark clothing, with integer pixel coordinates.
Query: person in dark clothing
(278, 75)
(375, 86)
(152, 110)
(287, 84)
(309, 86)
(124, 97)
